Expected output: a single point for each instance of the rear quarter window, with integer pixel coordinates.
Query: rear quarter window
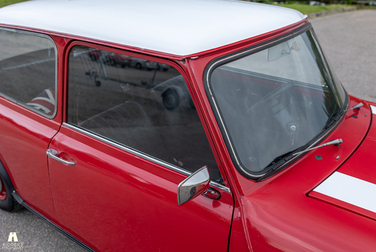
(28, 70)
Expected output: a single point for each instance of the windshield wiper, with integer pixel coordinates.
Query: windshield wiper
(357, 106)
(282, 159)
(333, 118)
(277, 162)
(335, 142)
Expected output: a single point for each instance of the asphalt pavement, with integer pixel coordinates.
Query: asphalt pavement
(348, 41)
(32, 233)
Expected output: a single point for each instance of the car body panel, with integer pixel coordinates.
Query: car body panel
(25, 136)
(269, 208)
(352, 185)
(113, 199)
(127, 182)
(130, 198)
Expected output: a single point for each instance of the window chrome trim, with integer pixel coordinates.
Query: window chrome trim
(216, 63)
(219, 186)
(207, 85)
(140, 154)
(56, 72)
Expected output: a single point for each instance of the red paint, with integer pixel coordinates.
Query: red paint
(279, 209)
(113, 200)
(130, 199)
(25, 136)
(3, 192)
(361, 164)
(343, 205)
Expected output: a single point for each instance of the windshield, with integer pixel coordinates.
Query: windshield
(273, 101)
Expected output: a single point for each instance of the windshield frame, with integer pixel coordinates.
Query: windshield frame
(277, 166)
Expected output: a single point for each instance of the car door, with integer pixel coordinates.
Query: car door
(130, 136)
(29, 117)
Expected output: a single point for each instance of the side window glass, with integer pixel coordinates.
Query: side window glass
(28, 70)
(141, 104)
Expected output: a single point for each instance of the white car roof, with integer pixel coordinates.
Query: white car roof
(179, 27)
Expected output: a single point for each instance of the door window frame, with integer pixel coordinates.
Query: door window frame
(140, 154)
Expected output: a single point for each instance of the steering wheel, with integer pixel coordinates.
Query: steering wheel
(270, 98)
(272, 122)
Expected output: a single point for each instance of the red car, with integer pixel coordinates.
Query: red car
(275, 156)
(113, 59)
(116, 59)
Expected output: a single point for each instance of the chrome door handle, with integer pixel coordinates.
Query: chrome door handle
(54, 154)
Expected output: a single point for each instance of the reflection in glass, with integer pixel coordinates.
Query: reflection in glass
(275, 101)
(139, 103)
(28, 70)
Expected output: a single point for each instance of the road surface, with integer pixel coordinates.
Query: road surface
(348, 41)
